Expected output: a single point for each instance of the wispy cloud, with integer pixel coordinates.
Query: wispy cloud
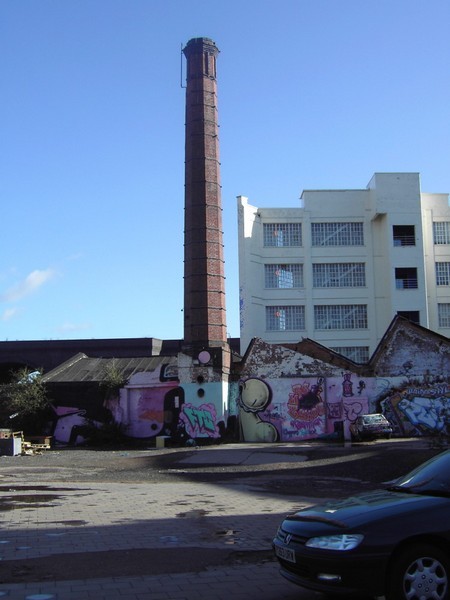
(9, 314)
(27, 286)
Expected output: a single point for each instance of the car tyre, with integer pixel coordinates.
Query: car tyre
(420, 572)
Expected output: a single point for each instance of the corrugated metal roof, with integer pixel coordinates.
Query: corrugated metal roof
(81, 368)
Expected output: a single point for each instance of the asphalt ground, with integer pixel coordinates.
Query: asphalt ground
(173, 523)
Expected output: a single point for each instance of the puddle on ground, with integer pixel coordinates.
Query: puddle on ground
(193, 514)
(21, 500)
(18, 498)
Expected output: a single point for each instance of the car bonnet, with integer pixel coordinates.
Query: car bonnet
(361, 509)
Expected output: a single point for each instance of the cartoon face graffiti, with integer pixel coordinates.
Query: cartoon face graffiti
(256, 395)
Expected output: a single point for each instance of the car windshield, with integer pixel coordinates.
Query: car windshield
(370, 419)
(432, 477)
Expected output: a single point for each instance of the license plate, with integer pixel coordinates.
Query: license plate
(285, 553)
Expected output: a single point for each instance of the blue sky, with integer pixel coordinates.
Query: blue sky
(313, 94)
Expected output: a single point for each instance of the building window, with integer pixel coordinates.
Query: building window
(340, 316)
(337, 234)
(404, 235)
(358, 354)
(443, 273)
(339, 275)
(283, 276)
(285, 318)
(406, 278)
(441, 232)
(282, 234)
(444, 315)
(411, 315)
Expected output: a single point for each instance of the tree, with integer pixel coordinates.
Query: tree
(113, 379)
(23, 400)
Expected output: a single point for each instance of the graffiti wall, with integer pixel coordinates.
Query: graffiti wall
(146, 406)
(294, 409)
(149, 405)
(203, 415)
(419, 409)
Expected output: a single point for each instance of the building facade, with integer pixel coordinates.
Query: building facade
(338, 268)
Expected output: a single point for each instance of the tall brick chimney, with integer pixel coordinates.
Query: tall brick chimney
(204, 279)
(204, 361)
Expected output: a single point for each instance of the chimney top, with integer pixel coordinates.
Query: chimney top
(196, 44)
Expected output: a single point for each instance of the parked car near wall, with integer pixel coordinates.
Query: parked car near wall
(392, 542)
(367, 427)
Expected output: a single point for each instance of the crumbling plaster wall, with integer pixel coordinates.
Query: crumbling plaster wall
(412, 353)
(275, 361)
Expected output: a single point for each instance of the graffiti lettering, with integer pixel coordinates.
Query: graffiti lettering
(434, 392)
(200, 420)
(311, 426)
(424, 411)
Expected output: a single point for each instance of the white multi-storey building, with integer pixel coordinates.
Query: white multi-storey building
(338, 268)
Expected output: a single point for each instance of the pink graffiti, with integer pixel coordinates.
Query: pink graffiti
(305, 414)
(311, 426)
(200, 420)
(352, 410)
(305, 401)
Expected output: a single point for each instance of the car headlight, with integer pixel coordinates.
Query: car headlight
(346, 541)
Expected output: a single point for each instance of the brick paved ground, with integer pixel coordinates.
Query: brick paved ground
(70, 533)
(59, 519)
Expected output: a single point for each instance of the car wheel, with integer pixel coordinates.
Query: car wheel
(420, 572)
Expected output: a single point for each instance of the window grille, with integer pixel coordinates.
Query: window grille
(282, 234)
(441, 232)
(340, 316)
(406, 278)
(443, 273)
(339, 275)
(444, 315)
(337, 234)
(404, 235)
(358, 354)
(285, 318)
(283, 276)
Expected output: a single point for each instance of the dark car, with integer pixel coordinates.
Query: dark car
(367, 427)
(393, 542)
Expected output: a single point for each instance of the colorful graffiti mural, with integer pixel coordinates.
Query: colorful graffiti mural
(419, 410)
(150, 404)
(300, 408)
(266, 409)
(147, 406)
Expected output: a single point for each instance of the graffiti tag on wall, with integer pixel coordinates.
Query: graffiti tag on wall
(200, 420)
